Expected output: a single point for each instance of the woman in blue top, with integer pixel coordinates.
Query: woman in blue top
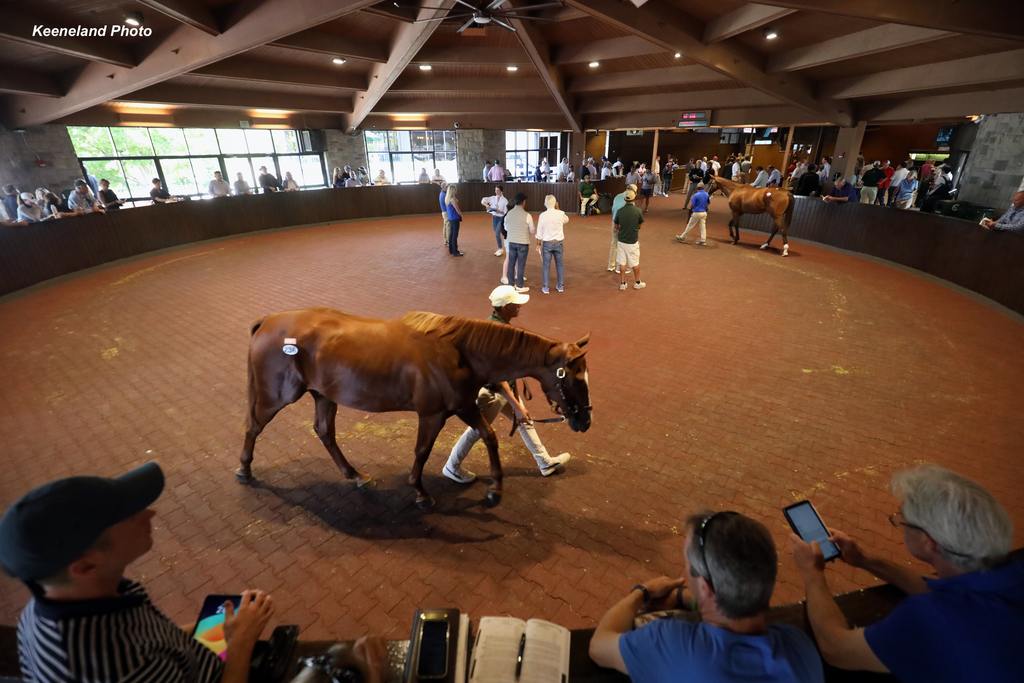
(906, 191)
(451, 203)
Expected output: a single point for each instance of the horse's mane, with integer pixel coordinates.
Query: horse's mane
(482, 336)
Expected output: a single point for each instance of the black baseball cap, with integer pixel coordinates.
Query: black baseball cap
(53, 525)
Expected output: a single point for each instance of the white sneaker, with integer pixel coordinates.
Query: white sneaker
(640, 285)
(680, 239)
(555, 464)
(522, 290)
(504, 280)
(500, 252)
(618, 270)
(622, 287)
(611, 269)
(458, 475)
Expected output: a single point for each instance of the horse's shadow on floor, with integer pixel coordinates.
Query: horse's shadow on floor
(386, 509)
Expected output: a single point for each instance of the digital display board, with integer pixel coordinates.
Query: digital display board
(694, 119)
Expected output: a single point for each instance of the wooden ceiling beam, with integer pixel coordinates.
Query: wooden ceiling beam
(994, 68)
(781, 115)
(610, 48)
(954, 105)
(667, 26)
(185, 49)
(645, 78)
(457, 106)
(409, 40)
(18, 26)
(868, 42)
(260, 71)
(226, 98)
(537, 49)
(490, 121)
(192, 12)
(21, 81)
(470, 54)
(742, 19)
(679, 101)
(510, 85)
(995, 18)
(322, 42)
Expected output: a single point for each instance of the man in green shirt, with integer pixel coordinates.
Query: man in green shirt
(617, 203)
(588, 195)
(627, 230)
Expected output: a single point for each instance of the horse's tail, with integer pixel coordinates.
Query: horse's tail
(251, 372)
(789, 210)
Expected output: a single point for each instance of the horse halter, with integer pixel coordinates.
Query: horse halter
(560, 375)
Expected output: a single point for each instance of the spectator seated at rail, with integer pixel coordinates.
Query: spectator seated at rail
(241, 186)
(81, 200)
(1012, 220)
(965, 625)
(290, 184)
(268, 181)
(731, 563)
(218, 187)
(28, 210)
(70, 541)
(107, 197)
(842, 192)
(160, 195)
(809, 184)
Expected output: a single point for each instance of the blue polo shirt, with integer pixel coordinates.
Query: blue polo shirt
(672, 651)
(440, 198)
(700, 201)
(967, 628)
(848, 191)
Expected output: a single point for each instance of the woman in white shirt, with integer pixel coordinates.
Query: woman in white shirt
(382, 178)
(289, 182)
(550, 236)
(438, 178)
(497, 206)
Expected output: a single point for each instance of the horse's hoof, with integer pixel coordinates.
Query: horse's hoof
(764, 246)
(425, 503)
(365, 482)
(243, 475)
(492, 499)
(734, 241)
(785, 252)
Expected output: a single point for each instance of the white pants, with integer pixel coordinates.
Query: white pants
(591, 200)
(868, 194)
(491, 403)
(698, 218)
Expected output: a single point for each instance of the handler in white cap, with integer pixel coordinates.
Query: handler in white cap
(499, 398)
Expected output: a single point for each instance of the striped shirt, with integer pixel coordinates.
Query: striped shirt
(110, 639)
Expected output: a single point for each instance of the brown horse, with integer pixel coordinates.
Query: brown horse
(746, 199)
(432, 364)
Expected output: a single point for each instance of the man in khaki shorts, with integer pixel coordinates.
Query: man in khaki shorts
(627, 229)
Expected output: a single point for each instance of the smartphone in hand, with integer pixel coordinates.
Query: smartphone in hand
(807, 524)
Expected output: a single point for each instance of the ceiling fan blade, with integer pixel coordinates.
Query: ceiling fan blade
(437, 8)
(527, 16)
(472, 18)
(502, 22)
(495, 4)
(546, 5)
(450, 16)
(463, 2)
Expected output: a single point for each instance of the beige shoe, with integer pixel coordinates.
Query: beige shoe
(555, 464)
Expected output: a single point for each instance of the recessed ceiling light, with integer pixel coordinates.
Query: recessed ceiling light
(425, 67)
(770, 34)
(338, 60)
(678, 55)
(133, 19)
(511, 68)
(594, 65)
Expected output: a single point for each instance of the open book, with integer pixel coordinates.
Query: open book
(545, 654)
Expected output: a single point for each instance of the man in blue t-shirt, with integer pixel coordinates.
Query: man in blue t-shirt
(731, 562)
(965, 625)
(842, 192)
(698, 216)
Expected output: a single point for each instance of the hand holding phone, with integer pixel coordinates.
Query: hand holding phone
(807, 524)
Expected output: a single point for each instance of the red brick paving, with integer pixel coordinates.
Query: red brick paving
(736, 379)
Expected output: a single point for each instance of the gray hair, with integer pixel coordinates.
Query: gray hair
(741, 562)
(550, 201)
(971, 528)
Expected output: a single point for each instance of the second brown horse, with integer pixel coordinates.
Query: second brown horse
(432, 364)
(776, 202)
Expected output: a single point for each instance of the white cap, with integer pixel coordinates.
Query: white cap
(27, 196)
(507, 294)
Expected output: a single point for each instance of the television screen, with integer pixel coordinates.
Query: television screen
(945, 136)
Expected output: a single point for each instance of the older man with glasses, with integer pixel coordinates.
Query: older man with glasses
(967, 624)
(731, 563)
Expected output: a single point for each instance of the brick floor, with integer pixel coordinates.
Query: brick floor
(738, 379)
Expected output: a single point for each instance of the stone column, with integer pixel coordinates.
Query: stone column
(788, 153)
(848, 147)
(654, 152)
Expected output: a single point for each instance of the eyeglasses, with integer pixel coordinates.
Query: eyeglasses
(897, 520)
(702, 537)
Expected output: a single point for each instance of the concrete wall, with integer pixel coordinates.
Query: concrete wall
(342, 149)
(995, 167)
(474, 146)
(21, 154)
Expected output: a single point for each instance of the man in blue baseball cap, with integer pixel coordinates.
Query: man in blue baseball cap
(70, 541)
